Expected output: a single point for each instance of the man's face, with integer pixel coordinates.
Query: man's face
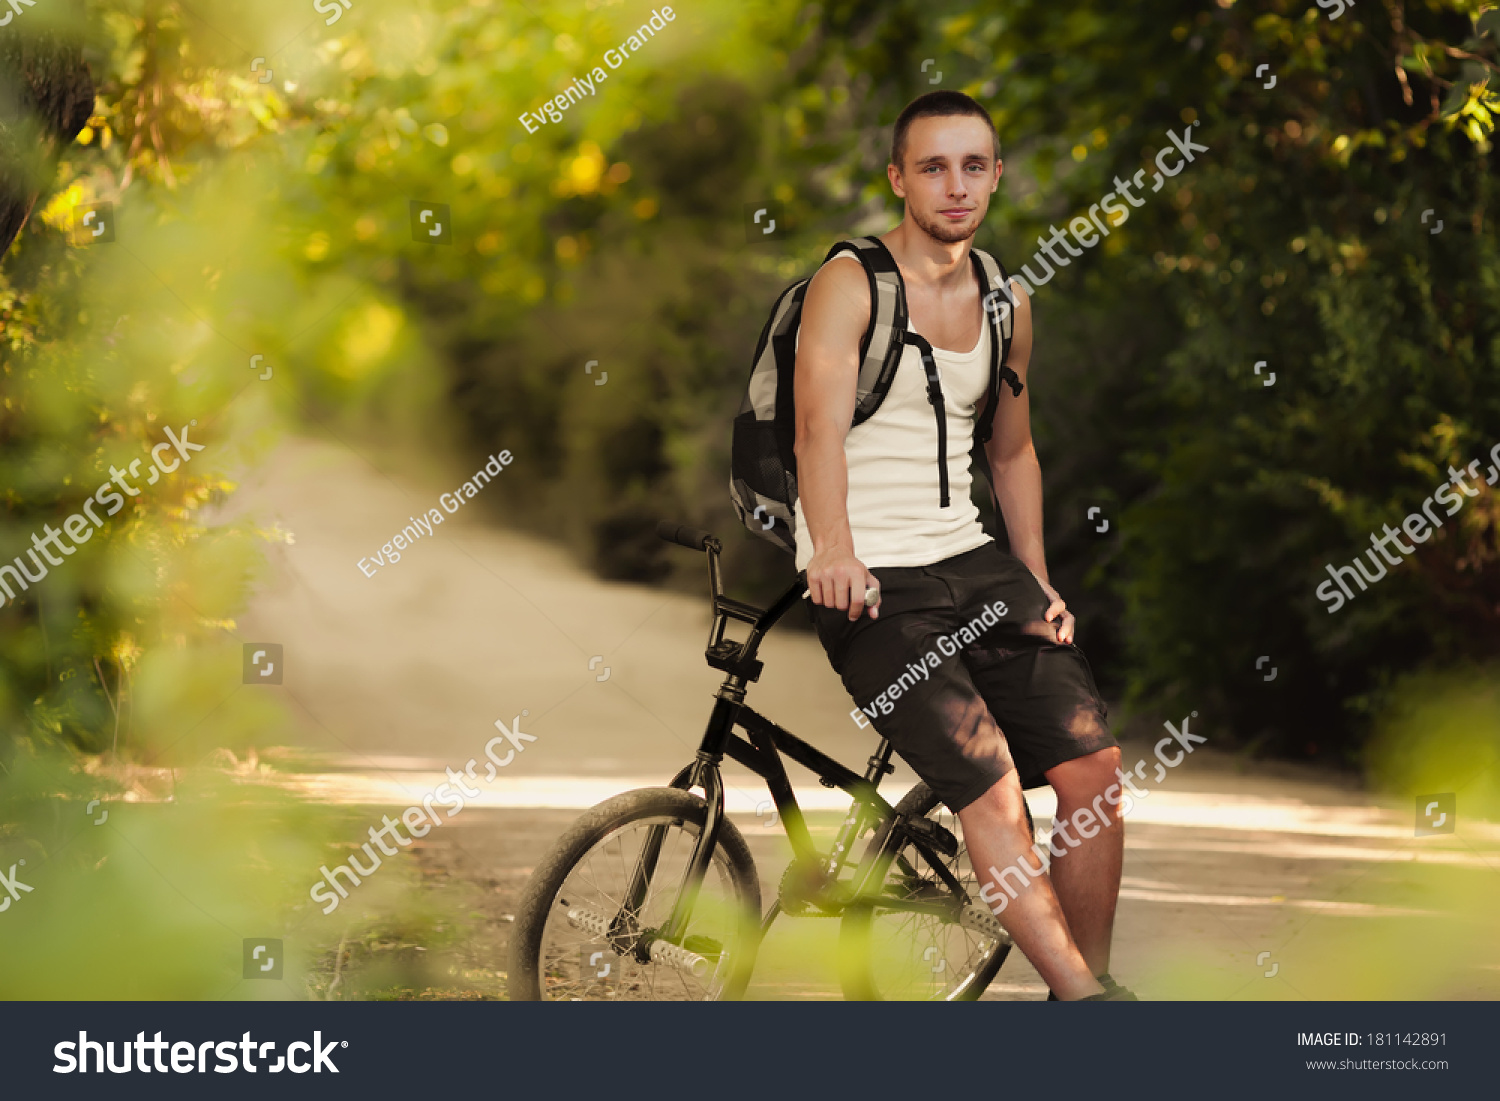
(949, 173)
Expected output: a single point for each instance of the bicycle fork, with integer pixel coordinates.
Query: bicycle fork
(704, 773)
(664, 945)
(623, 932)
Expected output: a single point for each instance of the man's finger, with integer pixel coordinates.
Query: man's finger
(1057, 615)
(1065, 632)
(856, 597)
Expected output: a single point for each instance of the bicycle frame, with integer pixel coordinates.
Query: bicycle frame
(760, 751)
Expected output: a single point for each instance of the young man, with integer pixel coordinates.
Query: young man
(1017, 706)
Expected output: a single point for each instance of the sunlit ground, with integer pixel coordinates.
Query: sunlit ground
(1225, 896)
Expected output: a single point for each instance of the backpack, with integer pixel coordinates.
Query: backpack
(763, 467)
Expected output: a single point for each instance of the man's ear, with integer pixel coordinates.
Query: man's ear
(894, 175)
(999, 171)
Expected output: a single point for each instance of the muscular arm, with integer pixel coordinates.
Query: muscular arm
(834, 315)
(1015, 472)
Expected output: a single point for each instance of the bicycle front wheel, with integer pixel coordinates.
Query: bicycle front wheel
(589, 924)
(908, 938)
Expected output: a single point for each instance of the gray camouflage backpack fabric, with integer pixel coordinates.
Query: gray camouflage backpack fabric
(763, 468)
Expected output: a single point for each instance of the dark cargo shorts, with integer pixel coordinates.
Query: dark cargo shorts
(964, 676)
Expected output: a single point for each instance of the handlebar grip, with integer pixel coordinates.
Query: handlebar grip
(684, 536)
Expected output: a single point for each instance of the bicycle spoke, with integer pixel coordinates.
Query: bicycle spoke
(918, 945)
(598, 884)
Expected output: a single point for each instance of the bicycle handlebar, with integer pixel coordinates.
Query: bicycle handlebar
(737, 658)
(684, 536)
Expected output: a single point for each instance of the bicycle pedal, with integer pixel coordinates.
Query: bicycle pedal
(707, 947)
(982, 920)
(676, 956)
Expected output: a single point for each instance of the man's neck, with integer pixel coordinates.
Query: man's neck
(925, 260)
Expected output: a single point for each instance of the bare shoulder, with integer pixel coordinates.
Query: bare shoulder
(841, 279)
(838, 299)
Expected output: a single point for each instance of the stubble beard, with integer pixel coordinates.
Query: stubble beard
(944, 231)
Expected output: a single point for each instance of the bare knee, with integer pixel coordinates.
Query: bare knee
(1081, 780)
(1001, 804)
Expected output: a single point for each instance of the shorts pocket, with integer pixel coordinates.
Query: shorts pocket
(1060, 669)
(832, 627)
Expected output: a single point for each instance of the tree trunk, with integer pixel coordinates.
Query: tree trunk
(46, 97)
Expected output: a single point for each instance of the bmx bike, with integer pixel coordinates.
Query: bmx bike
(653, 895)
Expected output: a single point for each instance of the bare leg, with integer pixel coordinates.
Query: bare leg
(995, 833)
(1087, 878)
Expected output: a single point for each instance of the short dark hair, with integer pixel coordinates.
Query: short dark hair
(940, 104)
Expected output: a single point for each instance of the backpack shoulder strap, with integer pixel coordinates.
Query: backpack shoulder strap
(998, 300)
(880, 347)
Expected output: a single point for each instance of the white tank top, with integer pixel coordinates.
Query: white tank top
(893, 472)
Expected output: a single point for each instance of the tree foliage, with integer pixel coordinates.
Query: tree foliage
(1304, 238)
(610, 245)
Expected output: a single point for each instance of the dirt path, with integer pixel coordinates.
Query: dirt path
(475, 624)
(1274, 882)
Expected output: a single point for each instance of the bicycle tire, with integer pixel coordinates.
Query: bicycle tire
(531, 956)
(856, 938)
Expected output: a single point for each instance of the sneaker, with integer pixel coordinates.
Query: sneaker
(1116, 993)
(1110, 986)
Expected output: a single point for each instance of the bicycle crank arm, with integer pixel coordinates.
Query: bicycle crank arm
(661, 951)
